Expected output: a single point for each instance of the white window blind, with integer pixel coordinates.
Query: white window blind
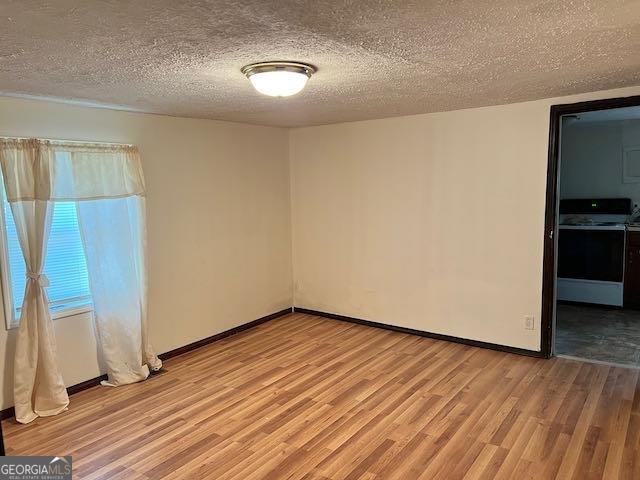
(65, 264)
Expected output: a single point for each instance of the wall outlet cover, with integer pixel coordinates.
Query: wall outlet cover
(529, 322)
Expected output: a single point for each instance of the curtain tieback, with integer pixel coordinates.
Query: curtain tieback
(41, 278)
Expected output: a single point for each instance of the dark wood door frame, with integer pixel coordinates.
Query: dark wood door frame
(549, 258)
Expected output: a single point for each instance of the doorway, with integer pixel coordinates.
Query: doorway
(591, 271)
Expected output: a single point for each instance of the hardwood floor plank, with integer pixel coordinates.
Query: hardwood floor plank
(304, 397)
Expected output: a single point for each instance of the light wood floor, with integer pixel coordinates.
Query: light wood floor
(310, 398)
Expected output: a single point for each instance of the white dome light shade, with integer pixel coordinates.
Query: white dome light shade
(278, 79)
(279, 83)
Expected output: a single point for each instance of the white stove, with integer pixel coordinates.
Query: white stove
(591, 262)
(593, 226)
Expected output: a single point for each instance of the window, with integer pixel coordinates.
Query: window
(631, 164)
(65, 265)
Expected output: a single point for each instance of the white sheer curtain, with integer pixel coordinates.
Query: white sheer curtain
(107, 183)
(38, 386)
(113, 235)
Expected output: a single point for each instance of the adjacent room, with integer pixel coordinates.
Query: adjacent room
(598, 287)
(319, 240)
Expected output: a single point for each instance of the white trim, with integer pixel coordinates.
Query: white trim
(596, 282)
(5, 273)
(70, 312)
(626, 177)
(67, 312)
(565, 226)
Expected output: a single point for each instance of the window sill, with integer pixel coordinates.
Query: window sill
(57, 315)
(70, 312)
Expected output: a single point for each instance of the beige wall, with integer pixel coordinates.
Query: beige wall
(218, 219)
(432, 222)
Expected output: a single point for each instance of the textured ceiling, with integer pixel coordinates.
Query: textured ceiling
(376, 58)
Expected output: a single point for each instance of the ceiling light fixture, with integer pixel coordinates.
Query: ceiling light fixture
(278, 79)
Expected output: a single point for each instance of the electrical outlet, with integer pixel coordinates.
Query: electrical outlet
(529, 322)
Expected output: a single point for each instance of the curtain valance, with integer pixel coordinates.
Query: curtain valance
(68, 171)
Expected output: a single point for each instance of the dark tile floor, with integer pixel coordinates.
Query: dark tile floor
(598, 333)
